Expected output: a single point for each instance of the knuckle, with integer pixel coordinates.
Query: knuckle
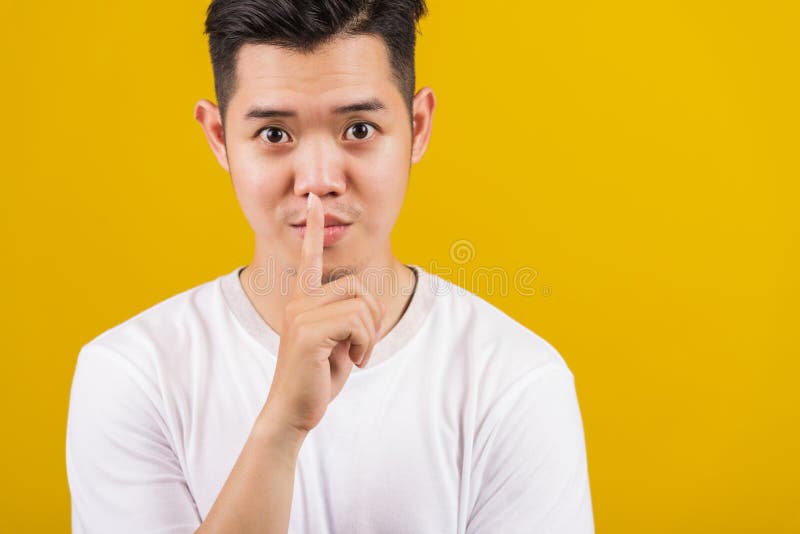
(371, 301)
(354, 322)
(364, 331)
(369, 332)
(363, 306)
(358, 287)
(352, 285)
(369, 312)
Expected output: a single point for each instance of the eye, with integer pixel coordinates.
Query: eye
(273, 135)
(361, 130)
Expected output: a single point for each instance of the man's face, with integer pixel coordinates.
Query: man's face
(285, 137)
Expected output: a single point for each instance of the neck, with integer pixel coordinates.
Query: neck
(390, 282)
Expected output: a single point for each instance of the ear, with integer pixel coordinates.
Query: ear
(207, 114)
(424, 103)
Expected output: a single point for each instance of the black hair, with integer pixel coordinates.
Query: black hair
(303, 25)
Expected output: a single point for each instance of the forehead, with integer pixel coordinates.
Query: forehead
(342, 70)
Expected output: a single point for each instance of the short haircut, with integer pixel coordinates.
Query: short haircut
(304, 25)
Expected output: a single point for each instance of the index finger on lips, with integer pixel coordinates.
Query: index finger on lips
(309, 272)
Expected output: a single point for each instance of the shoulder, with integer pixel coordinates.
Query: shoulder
(146, 340)
(490, 330)
(499, 355)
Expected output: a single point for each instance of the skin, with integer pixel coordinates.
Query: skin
(332, 315)
(359, 180)
(329, 327)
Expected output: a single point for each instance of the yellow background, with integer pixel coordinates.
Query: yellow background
(641, 156)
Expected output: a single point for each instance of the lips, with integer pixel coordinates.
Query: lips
(330, 235)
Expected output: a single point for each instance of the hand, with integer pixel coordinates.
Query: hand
(326, 330)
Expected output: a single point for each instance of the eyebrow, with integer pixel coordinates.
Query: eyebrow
(367, 105)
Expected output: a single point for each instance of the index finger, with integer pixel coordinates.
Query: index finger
(309, 272)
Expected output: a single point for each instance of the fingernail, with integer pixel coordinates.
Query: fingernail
(308, 204)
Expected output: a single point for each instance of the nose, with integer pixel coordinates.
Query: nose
(319, 168)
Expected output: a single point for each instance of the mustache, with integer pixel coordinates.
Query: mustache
(338, 209)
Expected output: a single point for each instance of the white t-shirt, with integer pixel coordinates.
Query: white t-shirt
(464, 421)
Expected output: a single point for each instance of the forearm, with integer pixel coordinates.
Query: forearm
(257, 496)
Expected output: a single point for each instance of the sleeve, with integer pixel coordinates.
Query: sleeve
(123, 475)
(530, 469)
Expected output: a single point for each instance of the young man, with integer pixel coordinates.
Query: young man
(326, 386)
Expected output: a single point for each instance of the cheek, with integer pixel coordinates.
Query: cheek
(257, 189)
(383, 183)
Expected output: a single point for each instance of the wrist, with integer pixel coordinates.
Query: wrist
(277, 435)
